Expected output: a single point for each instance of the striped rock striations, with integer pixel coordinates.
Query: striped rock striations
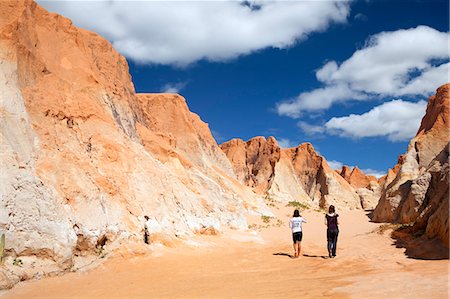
(417, 191)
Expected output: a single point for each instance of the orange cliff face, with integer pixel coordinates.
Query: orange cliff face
(253, 161)
(169, 128)
(367, 187)
(433, 133)
(85, 161)
(416, 192)
(356, 178)
(295, 174)
(84, 158)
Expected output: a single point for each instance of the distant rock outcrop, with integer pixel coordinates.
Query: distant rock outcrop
(366, 186)
(356, 178)
(294, 174)
(417, 191)
(253, 161)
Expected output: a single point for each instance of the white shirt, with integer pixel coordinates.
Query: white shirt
(296, 224)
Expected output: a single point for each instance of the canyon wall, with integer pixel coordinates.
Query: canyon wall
(417, 191)
(367, 187)
(292, 174)
(86, 162)
(88, 165)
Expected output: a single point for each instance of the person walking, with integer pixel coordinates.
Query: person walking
(332, 223)
(297, 234)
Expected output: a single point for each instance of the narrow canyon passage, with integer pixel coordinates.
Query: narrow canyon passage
(247, 265)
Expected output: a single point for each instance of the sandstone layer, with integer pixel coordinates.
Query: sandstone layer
(86, 163)
(356, 178)
(295, 174)
(367, 187)
(417, 192)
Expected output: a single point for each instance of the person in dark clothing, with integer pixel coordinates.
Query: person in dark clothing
(332, 223)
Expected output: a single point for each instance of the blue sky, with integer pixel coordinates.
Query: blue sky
(352, 77)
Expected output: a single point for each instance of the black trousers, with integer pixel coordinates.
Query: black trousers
(332, 236)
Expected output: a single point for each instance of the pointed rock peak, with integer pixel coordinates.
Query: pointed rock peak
(345, 172)
(306, 146)
(356, 177)
(357, 171)
(232, 142)
(272, 139)
(437, 114)
(309, 148)
(257, 139)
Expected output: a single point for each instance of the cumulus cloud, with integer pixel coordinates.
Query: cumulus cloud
(309, 129)
(376, 173)
(173, 87)
(397, 120)
(182, 32)
(318, 99)
(396, 63)
(336, 165)
(361, 17)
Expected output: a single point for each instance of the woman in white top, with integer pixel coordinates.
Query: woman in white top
(296, 225)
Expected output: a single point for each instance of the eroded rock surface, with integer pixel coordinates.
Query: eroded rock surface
(294, 174)
(84, 159)
(416, 192)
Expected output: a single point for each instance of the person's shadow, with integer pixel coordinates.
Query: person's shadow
(306, 255)
(321, 256)
(284, 254)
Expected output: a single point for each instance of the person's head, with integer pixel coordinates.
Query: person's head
(331, 209)
(296, 213)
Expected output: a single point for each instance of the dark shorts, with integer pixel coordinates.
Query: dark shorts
(297, 237)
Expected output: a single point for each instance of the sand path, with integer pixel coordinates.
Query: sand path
(244, 265)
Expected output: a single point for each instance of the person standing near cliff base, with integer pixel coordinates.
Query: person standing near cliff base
(331, 221)
(297, 234)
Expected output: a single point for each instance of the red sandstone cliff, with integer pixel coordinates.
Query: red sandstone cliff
(253, 161)
(356, 178)
(417, 192)
(84, 159)
(295, 174)
(367, 187)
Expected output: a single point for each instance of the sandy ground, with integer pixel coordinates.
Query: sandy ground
(250, 265)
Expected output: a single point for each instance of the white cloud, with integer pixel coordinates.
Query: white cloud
(397, 120)
(429, 77)
(173, 87)
(309, 129)
(361, 17)
(397, 63)
(336, 165)
(182, 32)
(383, 65)
(376, 173)
(286, 143)
(318, 99)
